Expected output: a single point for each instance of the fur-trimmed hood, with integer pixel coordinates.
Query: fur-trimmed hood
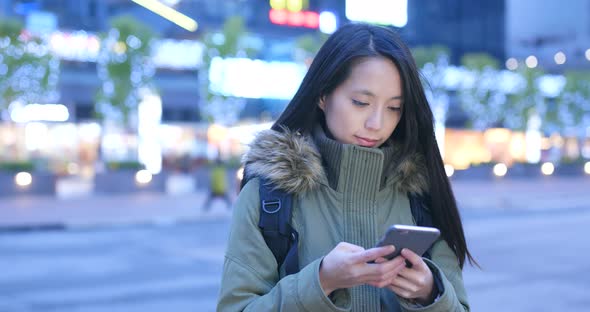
(291, 161)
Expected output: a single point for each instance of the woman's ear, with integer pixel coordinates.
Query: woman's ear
(322, 102)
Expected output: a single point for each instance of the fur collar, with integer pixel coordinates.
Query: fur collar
(292, 162)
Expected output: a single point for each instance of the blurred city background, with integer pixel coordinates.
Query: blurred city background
(120, 118)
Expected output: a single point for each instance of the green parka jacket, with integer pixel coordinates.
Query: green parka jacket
(344, 193)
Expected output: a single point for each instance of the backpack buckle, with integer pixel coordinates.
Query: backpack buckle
(270, 204)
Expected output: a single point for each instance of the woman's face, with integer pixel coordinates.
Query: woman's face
(365, 109)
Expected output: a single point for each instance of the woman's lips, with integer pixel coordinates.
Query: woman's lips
(366, 142)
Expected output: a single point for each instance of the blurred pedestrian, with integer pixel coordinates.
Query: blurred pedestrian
(218, 188)
(356, 149)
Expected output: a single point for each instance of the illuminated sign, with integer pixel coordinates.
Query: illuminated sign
(383, 12)
(293, 13)
(82, 46)
(255, 79)
(38, 112)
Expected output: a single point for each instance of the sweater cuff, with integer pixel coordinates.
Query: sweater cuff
(445, 301)
(311, 295)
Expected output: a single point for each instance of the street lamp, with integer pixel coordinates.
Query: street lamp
(143, 177)
(23, 179)
(500, 170)
(547, 168)
(449, 170)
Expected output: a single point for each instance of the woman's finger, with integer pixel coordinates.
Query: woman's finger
(381, 260)
(372, 254)
(349, 247)
(384, 272)
(404, 284)
(400, 292)
(416, 261)
(410, 274)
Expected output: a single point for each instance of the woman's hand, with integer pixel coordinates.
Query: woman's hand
(347, 266)
(416, 282)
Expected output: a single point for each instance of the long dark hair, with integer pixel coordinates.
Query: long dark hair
(415, 131)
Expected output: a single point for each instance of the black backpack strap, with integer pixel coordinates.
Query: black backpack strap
(423, 217)
(421, 213)
(275, 216)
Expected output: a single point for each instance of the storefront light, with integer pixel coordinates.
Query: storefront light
(328, 22)
(240, 174)
(150, 116)
(73, 168)
(226, 77)
(36, 136)
(89, 131)
(500, 170)
(547, 168)
(143, 177)
(587, 167)
(216, 134)
(23, 179)
(39, 112)
(449, 170)
(9, 137)
(385, 12)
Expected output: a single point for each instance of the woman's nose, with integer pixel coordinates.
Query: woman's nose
(374, 120)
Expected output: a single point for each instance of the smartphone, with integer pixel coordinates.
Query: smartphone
(416, 238)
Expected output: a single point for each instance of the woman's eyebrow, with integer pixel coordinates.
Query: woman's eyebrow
(369, 93)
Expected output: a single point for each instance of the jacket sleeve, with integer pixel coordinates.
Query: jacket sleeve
(250, 279)
(444, 263)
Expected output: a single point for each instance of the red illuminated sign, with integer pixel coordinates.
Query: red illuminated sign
(292, 13)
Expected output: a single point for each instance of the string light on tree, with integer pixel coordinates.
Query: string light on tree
(511, 63)
(28, 71)
(559, 58)
(531, 61)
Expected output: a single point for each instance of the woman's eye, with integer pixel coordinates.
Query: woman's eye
(359, 103)
(395, 109)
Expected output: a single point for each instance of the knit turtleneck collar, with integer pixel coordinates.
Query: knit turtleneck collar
(378, 160)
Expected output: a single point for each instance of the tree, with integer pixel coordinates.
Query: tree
(526, 103)
(307, 46)
(434, 62)
(126, 69)
(481, 97)
(29, 73)
(429, 54)
(231, 42)
(571, 113)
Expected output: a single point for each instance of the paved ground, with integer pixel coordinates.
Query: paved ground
(142, 208)
(165, 254)
(105, 211)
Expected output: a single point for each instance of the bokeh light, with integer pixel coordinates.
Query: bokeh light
(547, 168)
(500, 170)
(23, 179)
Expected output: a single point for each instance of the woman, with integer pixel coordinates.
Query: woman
(355, 141)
